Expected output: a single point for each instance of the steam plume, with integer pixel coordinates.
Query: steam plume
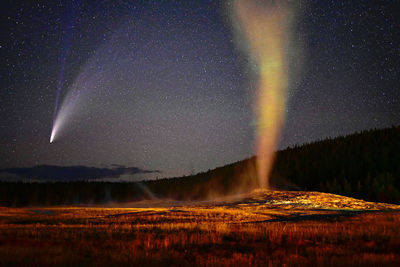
(265, 25)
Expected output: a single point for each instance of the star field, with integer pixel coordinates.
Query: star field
(160, 85)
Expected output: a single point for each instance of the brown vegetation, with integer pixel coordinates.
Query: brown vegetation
(275, 228)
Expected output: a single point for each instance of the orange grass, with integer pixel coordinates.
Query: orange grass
(202, 235)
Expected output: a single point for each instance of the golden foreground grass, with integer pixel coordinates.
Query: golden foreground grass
(264, 228)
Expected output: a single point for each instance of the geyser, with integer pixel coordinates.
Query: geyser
(265, 25)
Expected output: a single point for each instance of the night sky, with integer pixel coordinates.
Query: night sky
(160, 88)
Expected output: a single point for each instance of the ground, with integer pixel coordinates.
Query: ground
(259, 229)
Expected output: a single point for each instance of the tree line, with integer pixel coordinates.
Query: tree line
(363, 165)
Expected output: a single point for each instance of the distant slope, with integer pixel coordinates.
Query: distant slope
(363, 165)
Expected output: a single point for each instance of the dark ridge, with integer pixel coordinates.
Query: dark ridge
(363, 165)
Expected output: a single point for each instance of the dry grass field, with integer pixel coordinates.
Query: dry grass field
(260, 229)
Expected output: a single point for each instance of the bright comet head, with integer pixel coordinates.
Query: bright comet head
(56, 126)
(52, 136)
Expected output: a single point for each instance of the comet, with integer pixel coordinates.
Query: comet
(70, 106)
(66, 44)
(265, 25)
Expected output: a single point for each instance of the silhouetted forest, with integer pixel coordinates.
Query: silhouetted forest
(364, 165)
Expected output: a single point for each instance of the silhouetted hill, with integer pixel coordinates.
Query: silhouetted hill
(364, 165)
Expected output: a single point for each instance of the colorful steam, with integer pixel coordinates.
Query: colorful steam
(265, 25)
